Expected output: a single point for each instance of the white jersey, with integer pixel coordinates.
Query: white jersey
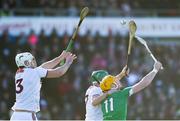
(93, 112)
(28, 85)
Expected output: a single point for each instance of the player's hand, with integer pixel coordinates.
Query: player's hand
(157, 65)
(70, 57)
(125, 71)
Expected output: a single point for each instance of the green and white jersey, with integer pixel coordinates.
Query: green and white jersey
(115, 106)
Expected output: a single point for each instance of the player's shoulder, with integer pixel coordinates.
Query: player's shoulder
(95, 87)
(91, 88)
(30, 70)
(124, 90)
(24, 71)
(38, 68)
(88, 90)
(127, 88)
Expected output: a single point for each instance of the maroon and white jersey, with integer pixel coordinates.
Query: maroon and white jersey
(28, 85)
(93, 113)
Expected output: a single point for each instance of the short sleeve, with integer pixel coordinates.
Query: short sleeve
(127, 91)
(42, 72)
(131, 92)
(96, 91)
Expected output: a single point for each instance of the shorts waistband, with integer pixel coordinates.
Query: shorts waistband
(20, 110)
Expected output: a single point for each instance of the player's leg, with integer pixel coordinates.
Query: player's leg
(23, 116)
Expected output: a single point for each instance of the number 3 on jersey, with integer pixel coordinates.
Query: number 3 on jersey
(109, 105)
(19, 86)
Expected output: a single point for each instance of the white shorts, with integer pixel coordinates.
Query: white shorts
(23, 116)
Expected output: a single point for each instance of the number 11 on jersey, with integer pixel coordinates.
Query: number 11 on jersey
(109, 104)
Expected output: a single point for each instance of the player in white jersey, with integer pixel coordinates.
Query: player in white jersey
(93, 110)
(94, 95)
(94, 113)
(28, 82)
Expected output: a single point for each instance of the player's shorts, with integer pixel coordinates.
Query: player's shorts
(23, 116)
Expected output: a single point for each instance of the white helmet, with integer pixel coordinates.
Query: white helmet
(22, 58)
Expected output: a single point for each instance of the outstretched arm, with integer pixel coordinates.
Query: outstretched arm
(147, 79)
(99, 98)
(54, 62)
(59, 71)
(122, 74)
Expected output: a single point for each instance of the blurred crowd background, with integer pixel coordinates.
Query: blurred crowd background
(63, 98)
(98, 7)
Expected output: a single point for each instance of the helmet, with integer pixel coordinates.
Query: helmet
(98, 75)
(107, 82)
(22, 58)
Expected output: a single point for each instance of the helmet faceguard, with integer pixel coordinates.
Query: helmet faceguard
(24, 60)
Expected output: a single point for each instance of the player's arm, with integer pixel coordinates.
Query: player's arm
(97, 99)
(122, 74)
(54, 62)
(59, 71)
(147, 79)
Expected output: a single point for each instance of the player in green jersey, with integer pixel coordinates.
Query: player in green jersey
(114, 107)
(94, 95)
